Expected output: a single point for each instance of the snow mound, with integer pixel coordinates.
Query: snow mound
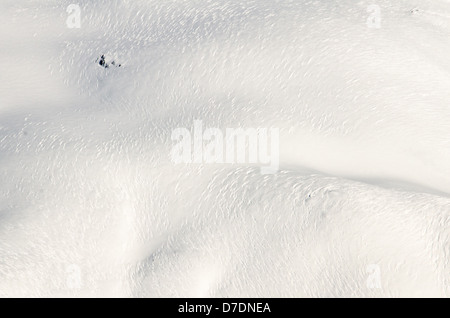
(92, 205)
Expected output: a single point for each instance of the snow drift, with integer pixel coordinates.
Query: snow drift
(92, 205)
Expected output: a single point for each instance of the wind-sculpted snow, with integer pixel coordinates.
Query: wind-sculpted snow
(91, 203)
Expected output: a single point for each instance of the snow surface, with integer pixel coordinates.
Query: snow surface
(91, 204)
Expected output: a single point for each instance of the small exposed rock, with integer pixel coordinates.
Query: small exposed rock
(102, 62)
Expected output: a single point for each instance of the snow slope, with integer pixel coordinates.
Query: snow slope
(92, 205)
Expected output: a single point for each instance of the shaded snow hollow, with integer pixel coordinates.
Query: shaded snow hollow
(92, 205)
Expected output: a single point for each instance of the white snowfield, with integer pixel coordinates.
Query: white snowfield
(91, 203)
